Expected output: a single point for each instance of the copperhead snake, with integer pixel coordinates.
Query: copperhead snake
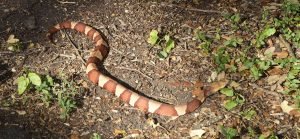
(98, 55)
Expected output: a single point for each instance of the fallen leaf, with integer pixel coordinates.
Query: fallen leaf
(269, 51)
(235, 85)
(30, 45)
(282, 79)
(289, 109)
(197, 133)
(21, 112)
(221, 76)
(199, 93)
(75, 136)
(275, 71)
(213, 75)
(11, 39)
(282, 54)
(273, 79)
(216, 86)
(120, 132)
(198, 84)
(270, 43)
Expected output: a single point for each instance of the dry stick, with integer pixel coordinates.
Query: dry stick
(75, 47)
(66, 2)
(265, 90)
(135, 71)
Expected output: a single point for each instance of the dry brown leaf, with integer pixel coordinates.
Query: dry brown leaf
(120, 132)
(75, 136)
(270, 43)
(221, 76)
(282, 54)
(269, 51)
(289, 109)
(273, 79)
(20, 112)
(213, 75)
(234, 85)
(216, 86)
(199, 93)
(275, 71)
(226, 37)
(197, 133)
(198, 84)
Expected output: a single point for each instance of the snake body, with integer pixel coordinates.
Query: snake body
(97, 56)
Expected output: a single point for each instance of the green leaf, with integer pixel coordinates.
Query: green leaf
(227, 91)
(268, 32)
(153, 37)
(233, 42)
(35, 78)
(170, 44)
(201, 36)
(240, 99)
(263, 35)
(163, 54)
(229, 132)
(248, 114)
(235, 18)
(96, 136)
(230, 104)
(255, 72)
(23, 83)
(49, 80)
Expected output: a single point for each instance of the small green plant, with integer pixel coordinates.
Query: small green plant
(49, 91)
(228, 132)
(269, 136)
(234, 99)
(234, 42)
(95, 136)
(153, 38)
(257, 67)
(205, 41)
(260, 37)
(292, 82)
(30, 79)
(169, 43)
(251, 132)
(14, 44)
(42, 84)
(65, 93)
(221, 58)
(235, 19)
(249, 114)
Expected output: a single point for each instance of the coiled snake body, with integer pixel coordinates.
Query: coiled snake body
(97, 56)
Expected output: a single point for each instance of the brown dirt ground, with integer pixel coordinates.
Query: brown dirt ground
(126, 24)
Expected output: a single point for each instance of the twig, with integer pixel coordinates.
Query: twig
(265, 90)
(75, 47)
(67, 2)
(135, 71)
